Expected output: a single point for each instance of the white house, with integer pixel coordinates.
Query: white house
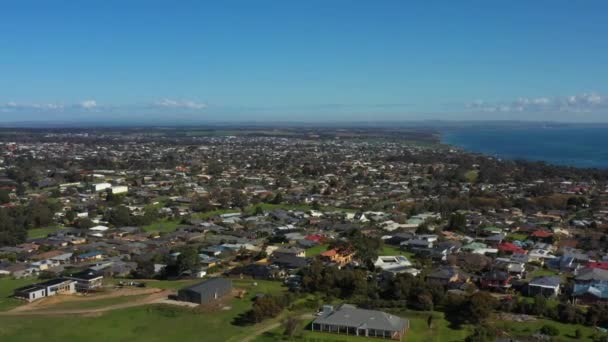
(101, 186)
(120, 189)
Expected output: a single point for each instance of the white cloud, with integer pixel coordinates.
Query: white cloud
(88, 104)
(586, 102)
(169, 103)
(15, 106)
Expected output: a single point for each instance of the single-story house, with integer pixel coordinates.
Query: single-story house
(547, 286)
(349, 320)
(46, 289)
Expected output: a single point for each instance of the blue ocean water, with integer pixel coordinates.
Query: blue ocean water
(571, 146)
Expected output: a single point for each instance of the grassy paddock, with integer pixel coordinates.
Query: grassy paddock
(7, 286)
(38, 233)
(161, 226)
(144, 323)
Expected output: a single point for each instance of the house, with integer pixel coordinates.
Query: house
(338, 256)
(590, 286)
(87, 280)
(509, 247)
(295, 251)
(513, 267)
(497, 280)
(393, 265)
(288, 261)
(351, 321)
(18, 270)
(547, 286)
(445, 248)
(256, 271)
(89, 256)
(206, 292)
(446, 275)
(46, 289)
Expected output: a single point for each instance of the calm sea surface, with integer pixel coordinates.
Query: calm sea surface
(580, 147)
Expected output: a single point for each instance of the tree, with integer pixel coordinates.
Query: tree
(84, 223)
(291, 324)
(457, 221)
(549, 330)
(70, 215)
(482, 333)
(258, 211)
(480, 306)
(4, 196)
(278, 198)
(119, 216)
(187, 259)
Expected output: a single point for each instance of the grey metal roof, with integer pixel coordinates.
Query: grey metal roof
(548, 281)
(588, 274)
(349, 315)
(212, 284)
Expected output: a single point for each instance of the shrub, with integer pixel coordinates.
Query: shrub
(549, 330)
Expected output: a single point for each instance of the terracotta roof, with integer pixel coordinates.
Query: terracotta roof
(542, 234)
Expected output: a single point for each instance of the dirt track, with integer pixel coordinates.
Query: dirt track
(156, 296)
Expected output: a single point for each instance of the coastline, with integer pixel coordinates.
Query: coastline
(582, 148)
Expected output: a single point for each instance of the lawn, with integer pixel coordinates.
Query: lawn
(316, 250)
(471, 176)
(567, 331)
(419, 331)
(165, 226)
(93, 304)
(541, 272)
(7, 286)
(517, 236)
(392, 250)
(145, 323)
(38, 233)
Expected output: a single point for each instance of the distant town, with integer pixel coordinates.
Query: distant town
(324, 234)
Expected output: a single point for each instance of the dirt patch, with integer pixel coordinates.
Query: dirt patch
(49, 302)
(153, 298)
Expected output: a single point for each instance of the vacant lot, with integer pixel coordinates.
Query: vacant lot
(7, 286)
(142, 323)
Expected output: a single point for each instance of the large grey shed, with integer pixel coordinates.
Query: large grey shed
(205, 292)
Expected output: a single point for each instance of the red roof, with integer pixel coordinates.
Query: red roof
(542, 234)
(510, 247)
(603, 265)
(316, 238)
(329, 253)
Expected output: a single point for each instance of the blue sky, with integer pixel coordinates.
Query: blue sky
(313, 60)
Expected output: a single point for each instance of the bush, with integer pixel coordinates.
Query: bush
(549, 330)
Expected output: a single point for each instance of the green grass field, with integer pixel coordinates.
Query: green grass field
(419, 331)
(94, 304)
(316, 250)
(567, 331)
(393, 250)
(145, 323)
(517, 236)
(7, 286)
(37, 233)
(165, 226)
(471, 176)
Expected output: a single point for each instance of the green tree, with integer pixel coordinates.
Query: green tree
(119, 216)
(4, 196)
(187, 260)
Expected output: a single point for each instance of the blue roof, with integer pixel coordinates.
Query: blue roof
(90, 254)
(599, 290)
